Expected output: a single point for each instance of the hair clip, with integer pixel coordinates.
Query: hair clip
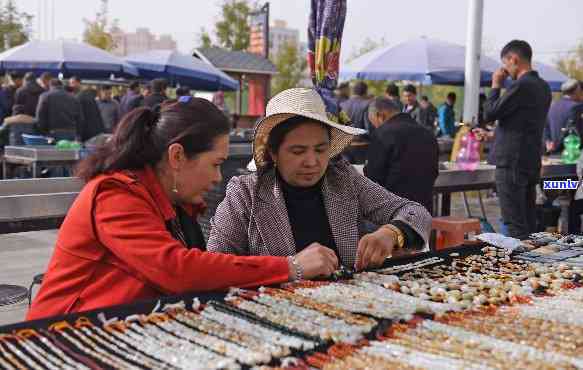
(185, 99)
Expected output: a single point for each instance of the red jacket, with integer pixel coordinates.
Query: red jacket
(114, 248)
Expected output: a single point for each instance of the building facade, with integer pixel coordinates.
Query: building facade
(140, 41)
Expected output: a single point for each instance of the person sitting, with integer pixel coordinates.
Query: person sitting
(16, 125)
(302, 196)
(397, 139)
(132, 232)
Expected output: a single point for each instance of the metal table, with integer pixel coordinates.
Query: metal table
(35, 156)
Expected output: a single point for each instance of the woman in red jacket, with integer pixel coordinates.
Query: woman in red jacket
(130, 234)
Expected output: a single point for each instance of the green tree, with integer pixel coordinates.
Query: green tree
(204, 38)
(233, 30)
(572, 64)
(290, 67)
(98, 31)
(14, 25)
(367, 45)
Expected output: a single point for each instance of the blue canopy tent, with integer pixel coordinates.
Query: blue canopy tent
(66, 57)
(429, 61)
(181, 69)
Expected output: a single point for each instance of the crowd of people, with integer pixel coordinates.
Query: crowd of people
(70, 110)
(440, 121)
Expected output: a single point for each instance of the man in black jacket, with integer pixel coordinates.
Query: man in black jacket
(403, 155)
(158, 96)
(521, 114)
(59, 113)
(28, 94)
(131, 100)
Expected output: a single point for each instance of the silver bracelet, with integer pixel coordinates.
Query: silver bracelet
(298, 270)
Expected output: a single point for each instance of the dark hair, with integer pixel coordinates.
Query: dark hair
(425, 98)
(410, 89)
(360, 88)
(143, 136)
(15, 75)
(55, 82)
(392, 90)
(518, 47)
(183, 91)
(159, 85)
(18, 109)
(75, 78)
(385, 105)
(279, 132)
(46, 76)
(29, 77)
(134, 85)
(451, 95)
(105, 87)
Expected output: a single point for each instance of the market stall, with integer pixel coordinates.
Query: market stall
(472, 307)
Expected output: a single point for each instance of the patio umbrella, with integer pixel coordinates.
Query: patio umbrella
(181, 69)
(425, 60)
(66, 57)
(325, 28)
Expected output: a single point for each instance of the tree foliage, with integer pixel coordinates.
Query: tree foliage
(233, 30)
(290, 67)
(98, 31)
(572, 64)
(367, 45)
(204, 39)
(15, 26)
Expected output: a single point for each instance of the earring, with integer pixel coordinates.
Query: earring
(175, 187)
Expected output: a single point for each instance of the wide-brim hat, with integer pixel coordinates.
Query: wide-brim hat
(305, 103)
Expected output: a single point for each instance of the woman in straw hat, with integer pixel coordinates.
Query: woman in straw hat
(302, 197)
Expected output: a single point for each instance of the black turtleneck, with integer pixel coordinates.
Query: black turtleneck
(307, 215)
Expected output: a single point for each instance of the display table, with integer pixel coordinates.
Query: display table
(460, 308)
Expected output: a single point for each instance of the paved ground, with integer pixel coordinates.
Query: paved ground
(26, 254)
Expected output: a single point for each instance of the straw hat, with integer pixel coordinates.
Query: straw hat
(299, 102)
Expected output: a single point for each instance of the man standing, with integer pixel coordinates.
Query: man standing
(109, 108)
(357, 106)
(58, 114)
(14, 83)
(392, 93)
(521, 114)
(75, 85)
(132, 99)
(158, 96)
(411, 105)
(92, 124)
(427, 114)
(561, 112)
(342, 92)
(28, 94)
(403, 155)
(447, 116)
(45, 80)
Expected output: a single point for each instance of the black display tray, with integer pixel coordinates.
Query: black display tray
(146, 306)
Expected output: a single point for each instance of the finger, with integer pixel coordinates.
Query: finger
(369, 251)
(332, 257)
(359, 252)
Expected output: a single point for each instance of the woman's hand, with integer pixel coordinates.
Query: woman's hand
(317, 260)
(374, 248)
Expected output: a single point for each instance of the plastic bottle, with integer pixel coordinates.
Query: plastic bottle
(572, 144)
(468, 157)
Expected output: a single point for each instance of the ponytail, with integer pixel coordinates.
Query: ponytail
(143, 135)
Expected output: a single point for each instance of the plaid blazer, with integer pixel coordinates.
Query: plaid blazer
(253, 218)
